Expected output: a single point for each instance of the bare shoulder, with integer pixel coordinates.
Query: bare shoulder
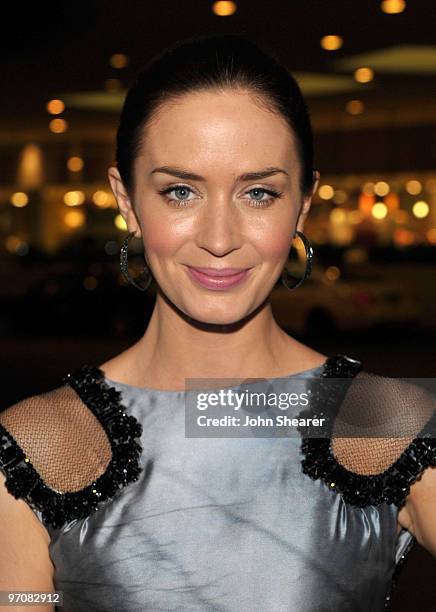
(25, 562)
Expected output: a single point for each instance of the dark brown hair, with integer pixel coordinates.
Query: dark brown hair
(212, 62)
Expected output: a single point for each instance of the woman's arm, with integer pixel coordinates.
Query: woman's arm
(25, 563)
(418, 515)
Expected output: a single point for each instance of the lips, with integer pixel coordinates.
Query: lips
(218, 278)
(219, 272)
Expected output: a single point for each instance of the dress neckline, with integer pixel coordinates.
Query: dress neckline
(178, 392)
(333, 364)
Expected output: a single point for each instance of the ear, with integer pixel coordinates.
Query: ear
(307, 203)
(123, 200)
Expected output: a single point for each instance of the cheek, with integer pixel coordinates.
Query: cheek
(275, 245)
(274, 234)
(162, 239)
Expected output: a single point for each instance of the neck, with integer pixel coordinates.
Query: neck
(175, 347)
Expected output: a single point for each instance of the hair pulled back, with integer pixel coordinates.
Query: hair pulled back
(212, 62)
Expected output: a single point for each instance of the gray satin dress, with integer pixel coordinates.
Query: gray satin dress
(226, 525)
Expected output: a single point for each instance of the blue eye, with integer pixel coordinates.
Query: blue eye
(176, 201)
(180, 189)
(255, 203)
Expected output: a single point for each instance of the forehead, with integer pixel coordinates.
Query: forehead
(218, 125)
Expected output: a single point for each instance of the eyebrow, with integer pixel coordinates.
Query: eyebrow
(247, 176)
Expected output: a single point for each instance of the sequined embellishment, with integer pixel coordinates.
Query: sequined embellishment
(23, 481)
(391, 486)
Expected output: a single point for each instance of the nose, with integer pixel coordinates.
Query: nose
(219, 228)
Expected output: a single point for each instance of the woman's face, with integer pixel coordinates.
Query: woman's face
(194, 206)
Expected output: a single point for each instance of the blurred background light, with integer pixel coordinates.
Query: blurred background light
(120, 223)
(364, 75)
(55, 107)
(381, 188)
(101, 199)
(331, 42)
(19, 199)
(420, 209)
(379, 210)
(224, 8)
(393, 7)
(326, 192)
(74, 219)
(75, 164)
(338, 215)
(413, 187)
(340, 196)
(355, 107)
(118, 60)
(58, 126)
(30, 174)
(74, 198)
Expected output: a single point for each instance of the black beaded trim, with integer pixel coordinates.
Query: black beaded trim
(23, 481)
(391, 486)
(341, 366)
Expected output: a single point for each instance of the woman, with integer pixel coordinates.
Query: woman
(119, 508)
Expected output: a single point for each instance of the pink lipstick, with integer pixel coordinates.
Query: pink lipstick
(218, 278)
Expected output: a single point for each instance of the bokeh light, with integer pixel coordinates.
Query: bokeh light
(355, 107)
(74, 198)
(413, 187)
(331, 42)
(55, 107)
(338, 215)
(58, 126)
(224, 8)
(392, 7)
(120, 223)
(101, 199)
(75, 164)
(420, 209)
(364, 75)
(381, 188)
(379, 210)
(326, 192)
(340, 196)
(332, 273)
(19, 199)
(118, 60)
(74, 219)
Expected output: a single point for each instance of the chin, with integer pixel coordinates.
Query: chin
(214, 317)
